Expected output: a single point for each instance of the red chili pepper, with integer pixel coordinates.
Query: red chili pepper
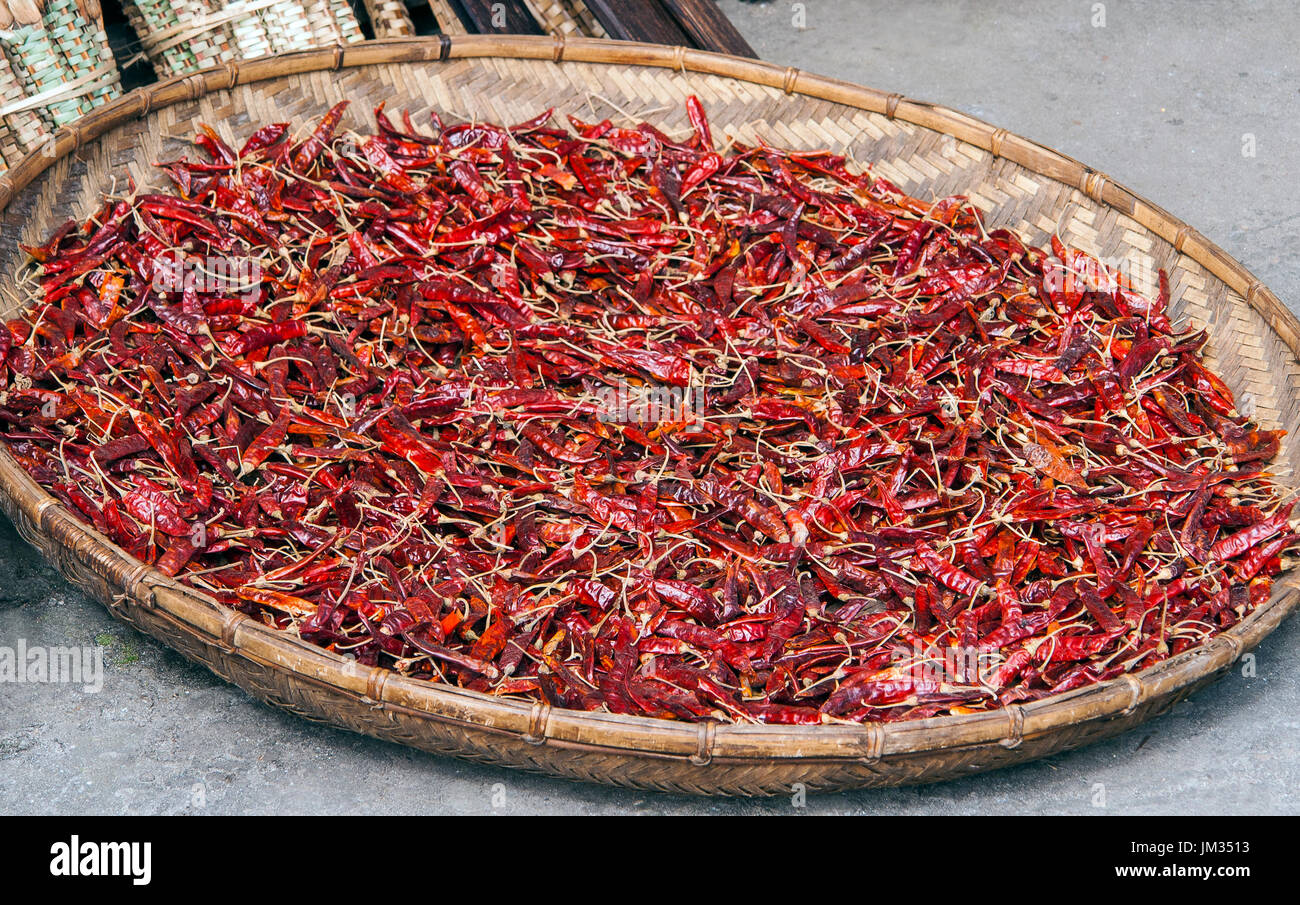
(699, 122)
(151, 506)
(265, 335)
(310, 150)
(1236, 544)
(613, 419)
(948, 574)
(267, 442)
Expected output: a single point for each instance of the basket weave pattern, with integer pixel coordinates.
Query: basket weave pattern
(389, 18)
(64, 58)
(571, 18)
(185, 36)
(926, 150)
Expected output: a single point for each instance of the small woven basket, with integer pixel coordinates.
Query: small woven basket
(570, 18)
(389, 18)
(53, 69)
(927, 150)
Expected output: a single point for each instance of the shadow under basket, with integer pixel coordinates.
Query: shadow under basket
(928, 151)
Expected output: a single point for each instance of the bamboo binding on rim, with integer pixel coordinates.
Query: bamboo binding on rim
(923, 147)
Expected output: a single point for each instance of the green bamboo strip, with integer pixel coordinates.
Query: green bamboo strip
(103, 54)
(212, 46)
(39, 68)
(156, 16)
(251, 38)
(136, 20)
(21, 131)
(346, 20)
(220, 35)
(84, 50)
(66, 30)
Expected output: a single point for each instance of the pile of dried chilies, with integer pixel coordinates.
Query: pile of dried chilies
(907, 466)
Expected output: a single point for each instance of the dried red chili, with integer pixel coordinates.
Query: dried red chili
(613, 419)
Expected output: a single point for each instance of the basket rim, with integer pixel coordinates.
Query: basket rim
(197, 614)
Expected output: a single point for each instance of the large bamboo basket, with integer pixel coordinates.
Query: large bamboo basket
(927, 150)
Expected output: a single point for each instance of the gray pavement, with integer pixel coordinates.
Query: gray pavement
(1160, 97)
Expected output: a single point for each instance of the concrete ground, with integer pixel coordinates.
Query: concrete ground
(1160, 95)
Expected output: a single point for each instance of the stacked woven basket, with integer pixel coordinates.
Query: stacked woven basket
(55, 65)
(189, 35)
(183, 36)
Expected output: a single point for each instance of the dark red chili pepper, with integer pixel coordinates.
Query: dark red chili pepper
(310, 150)
(609, 418)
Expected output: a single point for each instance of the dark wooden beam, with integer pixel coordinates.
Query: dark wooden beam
(639, 20)
(685, 23)
(495, 17)
(708, 28)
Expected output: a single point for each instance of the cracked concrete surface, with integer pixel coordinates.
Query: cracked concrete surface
(1159, 98)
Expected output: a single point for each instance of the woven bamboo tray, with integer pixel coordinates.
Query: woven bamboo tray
(927, 150)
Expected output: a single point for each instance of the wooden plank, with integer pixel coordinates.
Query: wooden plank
(496, 17)
(641, 20)
(708, 27)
